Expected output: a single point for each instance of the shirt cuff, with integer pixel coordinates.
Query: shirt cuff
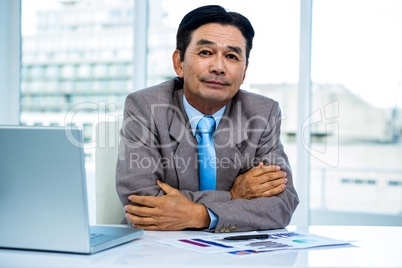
(214, 219)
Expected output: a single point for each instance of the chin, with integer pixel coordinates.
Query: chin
(214, 98)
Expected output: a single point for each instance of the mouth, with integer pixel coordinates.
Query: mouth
(215, 83)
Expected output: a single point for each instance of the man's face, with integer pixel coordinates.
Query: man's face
(214, 66)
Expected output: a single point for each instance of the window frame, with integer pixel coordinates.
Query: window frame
(10, 65)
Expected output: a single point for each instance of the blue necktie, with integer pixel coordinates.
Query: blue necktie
(206, 154)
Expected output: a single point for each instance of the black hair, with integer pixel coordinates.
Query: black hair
(212, 14)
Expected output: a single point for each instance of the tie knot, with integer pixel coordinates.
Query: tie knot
(206, 125)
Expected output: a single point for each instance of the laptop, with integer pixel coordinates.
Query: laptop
(43, 195)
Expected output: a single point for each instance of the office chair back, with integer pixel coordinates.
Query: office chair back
(109, 209)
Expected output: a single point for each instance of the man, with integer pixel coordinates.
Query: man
(198, 152)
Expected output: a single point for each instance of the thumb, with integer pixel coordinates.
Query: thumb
(166, 188)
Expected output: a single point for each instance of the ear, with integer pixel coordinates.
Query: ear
(177, 63)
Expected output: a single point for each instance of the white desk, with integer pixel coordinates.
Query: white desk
(375, 247)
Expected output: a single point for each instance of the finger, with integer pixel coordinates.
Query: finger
(149, 201)
(166, 188)
(259, 170)
(273, 183)
(147, 227)
(274, 191)
(140, 211)
(137, 220)
(271, 176)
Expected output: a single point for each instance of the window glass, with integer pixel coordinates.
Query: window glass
(68, 48)
(356, 112)
(75, 54)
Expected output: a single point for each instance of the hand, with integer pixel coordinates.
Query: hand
(261, 181)
(173, 211)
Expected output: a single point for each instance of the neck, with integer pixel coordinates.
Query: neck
(206, 108)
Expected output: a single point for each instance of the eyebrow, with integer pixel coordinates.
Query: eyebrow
(203, 42)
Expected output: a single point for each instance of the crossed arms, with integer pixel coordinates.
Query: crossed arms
(174, 211)
(255, 198)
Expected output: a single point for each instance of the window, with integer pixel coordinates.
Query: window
(356, 110)
(69, 58)
(84, 70)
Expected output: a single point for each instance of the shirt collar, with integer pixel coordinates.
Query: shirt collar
(194, 115)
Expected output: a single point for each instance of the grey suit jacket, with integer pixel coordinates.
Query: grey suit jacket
(157, 143)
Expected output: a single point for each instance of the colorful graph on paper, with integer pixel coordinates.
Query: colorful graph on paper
(215, 243)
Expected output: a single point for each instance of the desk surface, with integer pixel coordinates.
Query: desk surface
(374, 247)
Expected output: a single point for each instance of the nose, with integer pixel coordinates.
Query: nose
(218, 65)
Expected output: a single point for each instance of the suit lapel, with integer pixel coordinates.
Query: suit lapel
(185, 153)
(229, 135)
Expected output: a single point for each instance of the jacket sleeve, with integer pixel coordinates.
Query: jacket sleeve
(265, 212)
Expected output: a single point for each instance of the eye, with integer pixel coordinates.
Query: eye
(232, 57)
(205, 53)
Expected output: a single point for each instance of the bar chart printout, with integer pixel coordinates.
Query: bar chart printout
(212, 244)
